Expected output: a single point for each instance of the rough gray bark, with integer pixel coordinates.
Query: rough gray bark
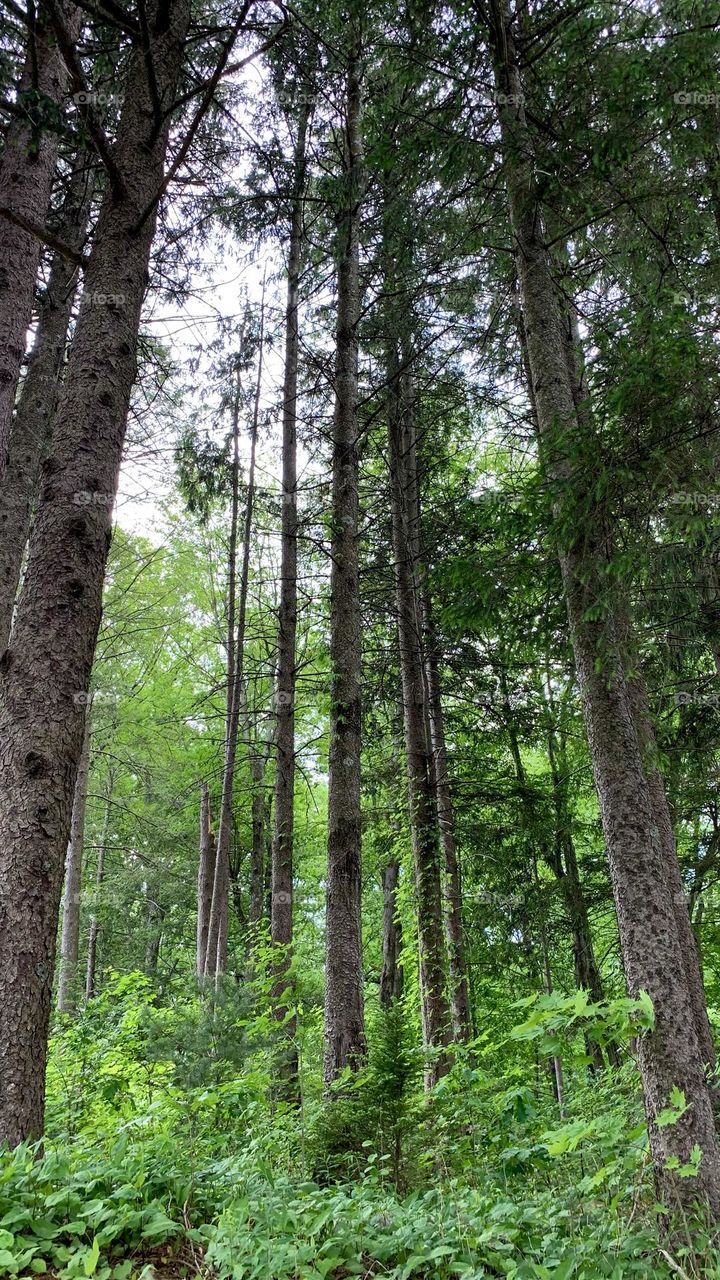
(94, 931)
(50, 658)
(206, 872)
(216, 957)
(281, 918)
(32, 425)
(344, 1011)
(675, 888)
(27, 166)
(70, 937)
(391, 976)
(423, 817)
(670, 1056)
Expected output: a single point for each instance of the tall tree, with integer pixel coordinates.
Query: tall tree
(344, 1009)
(58, 613)
(670, 1057)
(281, 919)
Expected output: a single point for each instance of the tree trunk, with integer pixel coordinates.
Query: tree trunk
(391, 977)
(27, 167)
(457, 967)
(32, 426)
(344, 1011)
(257, 854)
(670, 1056)
(206, 870)
(91, 970)
(216, 959)
(281, 917)
(674, 883)
(58, 613)
(563, 864)
(423, 817)
(70, 938)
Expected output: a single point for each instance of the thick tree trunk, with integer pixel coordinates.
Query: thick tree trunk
(32, 425)
(673, 876)
(70, 937)
(206, 872)
(423, 816)
(670, 1056)
(391, 977)
(216, 958)
(344, 1011)
(281, 918)
(27, 166)
(91, 969)
(58, 613)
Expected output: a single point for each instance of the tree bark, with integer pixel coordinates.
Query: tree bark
(344, 1011)
(423, 817)
(59, 609)
(70, 938)
(206, 871)
(670, 1056)
(32, 425)
(675, 888)
(216, 958)
(281, 917)
(391, 977)
(440, 777)
(91, 969)
(27, 167)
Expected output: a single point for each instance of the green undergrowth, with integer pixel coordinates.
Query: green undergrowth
(169, 1154)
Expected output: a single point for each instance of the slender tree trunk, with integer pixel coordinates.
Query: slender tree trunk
(219, 889)
(391, 977)
(435, 727)
(70, 938)
(423, 816)
(59, 609)
(344, 1011)
(154, 915)
(206, 870)
(91, 970)
(459, 987)
(281, 918)
(670, 1056)
(27, 167)
(32, 426)
(257, 854)
(216, 959)
(563, 863)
